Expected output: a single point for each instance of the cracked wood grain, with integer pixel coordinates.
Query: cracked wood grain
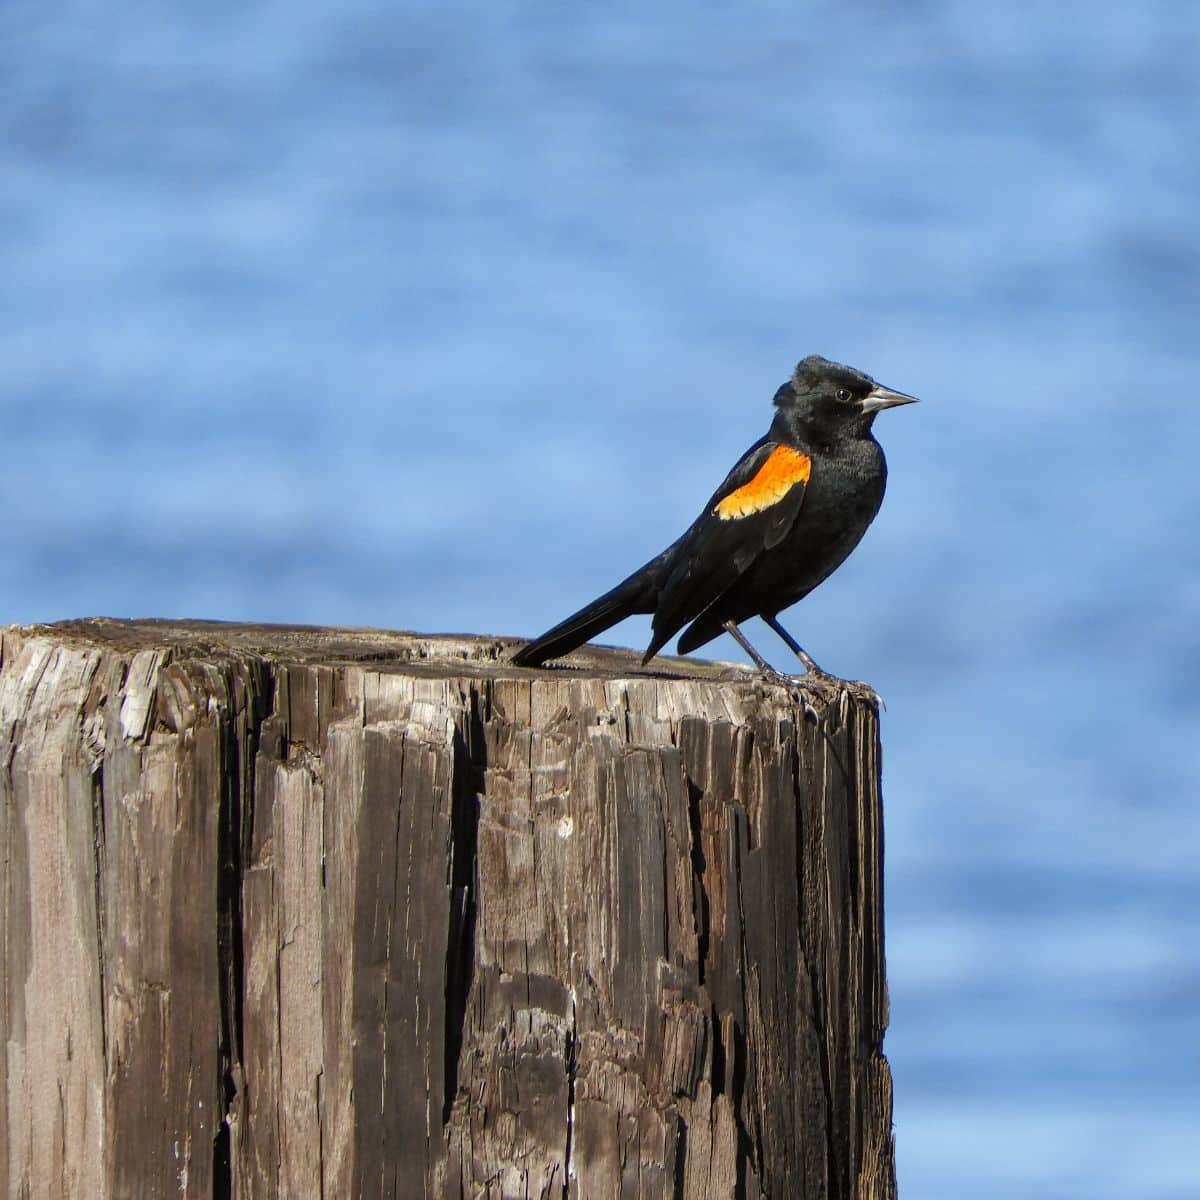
(342, 913)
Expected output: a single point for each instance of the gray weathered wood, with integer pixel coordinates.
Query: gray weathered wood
(299, 912)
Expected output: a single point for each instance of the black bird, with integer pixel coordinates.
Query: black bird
(791, 510)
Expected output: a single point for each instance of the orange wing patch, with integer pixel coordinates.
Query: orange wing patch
(772, 481)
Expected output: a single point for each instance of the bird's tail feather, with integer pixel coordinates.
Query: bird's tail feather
(634, 595)
(703, 629)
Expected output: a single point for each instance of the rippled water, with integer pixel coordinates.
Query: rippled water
(446, 319)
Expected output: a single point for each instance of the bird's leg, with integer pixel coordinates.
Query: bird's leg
(861, 689)
(794, 646)
(789, 681)
(761, 663)
(794, 686)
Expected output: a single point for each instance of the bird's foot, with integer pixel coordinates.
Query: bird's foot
(828, 688)
(863, 691)
(802, 687)
(814, 676)
(796, 686)
(853, 688)
(799, 687)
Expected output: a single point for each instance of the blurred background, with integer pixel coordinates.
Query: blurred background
(445, 318)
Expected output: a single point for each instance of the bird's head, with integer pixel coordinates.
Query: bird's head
(828, 399)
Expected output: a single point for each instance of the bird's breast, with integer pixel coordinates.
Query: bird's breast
(843, 495)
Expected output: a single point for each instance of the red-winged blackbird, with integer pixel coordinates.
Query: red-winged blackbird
(791, 510)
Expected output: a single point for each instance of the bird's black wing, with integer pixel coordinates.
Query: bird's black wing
(752, 511)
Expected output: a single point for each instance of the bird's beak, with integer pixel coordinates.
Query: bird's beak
(879, 398)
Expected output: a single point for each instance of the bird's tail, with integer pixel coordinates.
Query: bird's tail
(634, 595)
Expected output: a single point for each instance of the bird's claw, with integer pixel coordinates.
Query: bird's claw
(800, 687)
(796, 691)
(831, 687)
(863, 691)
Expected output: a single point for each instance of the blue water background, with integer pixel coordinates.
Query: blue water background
(445, 317)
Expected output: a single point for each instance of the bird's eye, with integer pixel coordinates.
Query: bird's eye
(844, 395)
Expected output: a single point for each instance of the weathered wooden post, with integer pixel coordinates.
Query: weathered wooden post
(300, 912)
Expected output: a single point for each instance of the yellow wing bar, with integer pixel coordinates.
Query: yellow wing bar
(772, 481)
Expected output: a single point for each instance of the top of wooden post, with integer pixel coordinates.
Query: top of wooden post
(433, 654)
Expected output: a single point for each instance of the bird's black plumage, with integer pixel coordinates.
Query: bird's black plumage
(787, 515)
